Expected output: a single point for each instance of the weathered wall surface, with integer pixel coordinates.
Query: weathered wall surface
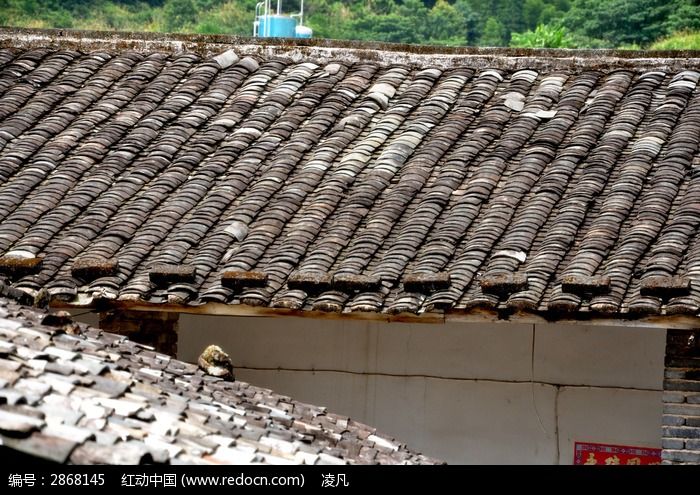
(468, 393)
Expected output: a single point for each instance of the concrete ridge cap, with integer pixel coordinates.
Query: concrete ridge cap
(350, 51)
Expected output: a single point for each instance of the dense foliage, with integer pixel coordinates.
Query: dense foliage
(529, 23)
(681, 41)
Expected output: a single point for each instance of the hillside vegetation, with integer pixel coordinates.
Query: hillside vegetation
(529, 23)
(681, 41)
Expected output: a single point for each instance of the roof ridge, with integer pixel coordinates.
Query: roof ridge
(349, 50)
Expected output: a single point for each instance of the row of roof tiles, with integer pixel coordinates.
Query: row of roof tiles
(168, 178)
(74, 394)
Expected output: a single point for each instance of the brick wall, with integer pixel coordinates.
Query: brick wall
(155, 328)
(681, 420)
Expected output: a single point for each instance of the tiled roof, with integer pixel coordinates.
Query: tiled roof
(71, 393)
(345, 184)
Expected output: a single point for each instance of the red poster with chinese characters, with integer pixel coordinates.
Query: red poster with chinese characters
(611, 455)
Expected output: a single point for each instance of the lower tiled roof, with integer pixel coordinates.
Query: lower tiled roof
(348, 184)
(74, 394)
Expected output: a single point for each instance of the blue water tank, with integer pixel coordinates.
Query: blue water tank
(280, 26)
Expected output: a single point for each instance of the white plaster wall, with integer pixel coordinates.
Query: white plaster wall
(619, 416)
(461, 421)
(364, 347)
(466, 393)
(602, 356)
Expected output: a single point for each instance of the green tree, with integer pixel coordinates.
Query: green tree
(177, 14)
(4, 12)
(333, 20)
(620, 21)
(381, 6)
(229, 18)
(532, 12)
(494, 33)
(406, 23)
(685, 18)
(550, 15)
(446, 24)
(510, 14)
(472, 21)
(392, 28)
(543, 37)
(415, 13)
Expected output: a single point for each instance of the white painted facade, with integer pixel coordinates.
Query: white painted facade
(463, 392)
